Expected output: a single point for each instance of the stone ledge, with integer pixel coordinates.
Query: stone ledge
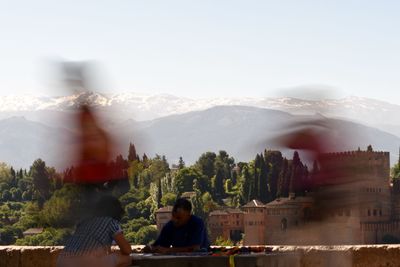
(301, 256)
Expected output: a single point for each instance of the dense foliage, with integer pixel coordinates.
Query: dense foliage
(37, 198)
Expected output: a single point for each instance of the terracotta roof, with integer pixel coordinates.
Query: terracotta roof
(254, 204)
(289, 201)
(218, 212)
(225, 212)
(188, 194)
(165, 209)
(33, 231)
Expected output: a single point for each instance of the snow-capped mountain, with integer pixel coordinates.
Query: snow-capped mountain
(241, 131)
(140, 107)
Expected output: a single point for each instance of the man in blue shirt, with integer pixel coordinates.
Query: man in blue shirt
(183, 233)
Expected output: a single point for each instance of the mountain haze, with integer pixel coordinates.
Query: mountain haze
(142, 107)
(240, 130)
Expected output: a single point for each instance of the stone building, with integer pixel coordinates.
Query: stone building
(254, 223)
(351, 202)
(227, 223)
(163, 215)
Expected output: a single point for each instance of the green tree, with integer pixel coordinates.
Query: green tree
(205, 164)
(217, 183)
(133, 226)
(220, 241)
(181, 163)
(273, 162)
(40, 177)
(6, 195)
(16, 194)
(245, 185)
(197, 201)
(64, 208)
(7, 236)
(134, 170)
(5, 173)
(4, 186)
(395, 171)
(185, 177)
(159, 193)
(228, 185)
(208, 203)
(139, 209)
(49, 237)
(168, 199)
(146, 235)
(225, 162)
(13, 177)
(284, 180)
(132, 155)
(30, 217)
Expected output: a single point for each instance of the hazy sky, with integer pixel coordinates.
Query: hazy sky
(206, 48)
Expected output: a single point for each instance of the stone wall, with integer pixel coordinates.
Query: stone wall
(296, 256)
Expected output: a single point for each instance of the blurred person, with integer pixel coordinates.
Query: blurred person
(90, 245)
(185, 232)
(93, 146)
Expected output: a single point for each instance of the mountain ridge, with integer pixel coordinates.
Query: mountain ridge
(241, 131)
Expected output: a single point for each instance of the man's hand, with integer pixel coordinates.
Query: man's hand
(162, 250)
(147, 249)
(156, 249)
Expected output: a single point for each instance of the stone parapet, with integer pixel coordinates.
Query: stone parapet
(296, 256)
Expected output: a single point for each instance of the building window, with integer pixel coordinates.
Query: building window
(283, 224)
(380, 212)
(369, 213)
(374, 212)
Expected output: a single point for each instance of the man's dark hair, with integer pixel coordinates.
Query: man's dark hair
(182, 203)
(109, 206)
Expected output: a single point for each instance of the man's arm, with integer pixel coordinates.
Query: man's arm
(163, 241)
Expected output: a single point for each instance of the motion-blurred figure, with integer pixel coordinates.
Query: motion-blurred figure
(93, 148)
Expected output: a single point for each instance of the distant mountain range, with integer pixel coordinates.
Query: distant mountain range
(241, 130)
(141, 107)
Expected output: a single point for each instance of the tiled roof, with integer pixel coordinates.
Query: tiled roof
(254, 204)
(225, 212)
(33, 231)
(165, 209)
(231, 210)
(218, 212)
(289, 201)
(188, 194)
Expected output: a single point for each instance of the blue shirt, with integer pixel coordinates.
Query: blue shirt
(191, 234)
